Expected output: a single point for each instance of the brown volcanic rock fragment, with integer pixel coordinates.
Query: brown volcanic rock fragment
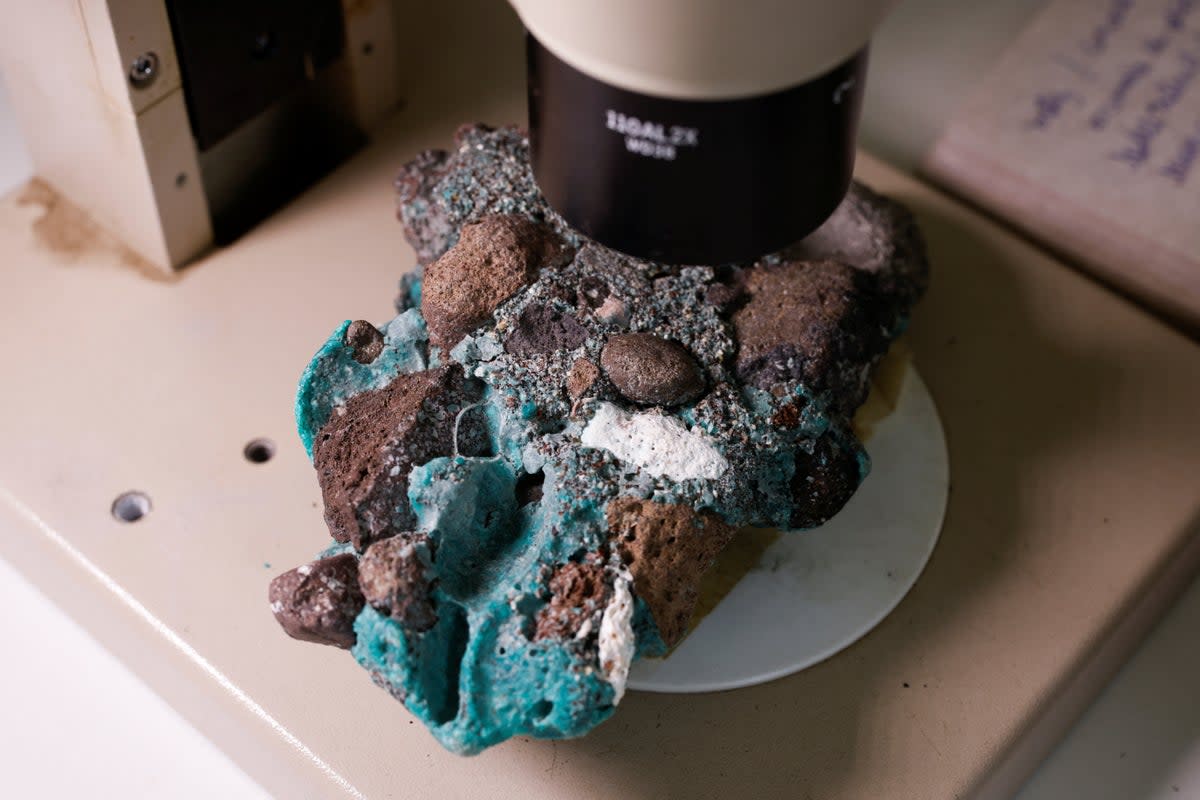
(667, 549)
(581, 378)
(318, 602)
(651, 370)
(577, 592)
(431, 230)
(536, 540)
(365, 341)
(790, 414)
(495, 257)
(822, 322)
(875, 234)
(396, 576)
(591, 292)
(823, 482)
(364, 453)
(728, 290)
(544, 329)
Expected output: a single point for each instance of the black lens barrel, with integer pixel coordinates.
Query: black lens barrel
(692, 181)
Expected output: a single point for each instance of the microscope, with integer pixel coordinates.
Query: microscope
(683, 131)
(696, 131)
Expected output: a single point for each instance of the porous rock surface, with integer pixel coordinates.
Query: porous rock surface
(528, 469)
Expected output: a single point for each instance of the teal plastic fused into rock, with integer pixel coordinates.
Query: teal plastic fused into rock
(530, 517)
(334, 375)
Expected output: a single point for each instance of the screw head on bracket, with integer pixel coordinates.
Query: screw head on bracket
(143, 70)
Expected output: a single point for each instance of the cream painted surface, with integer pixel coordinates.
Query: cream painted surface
(114, 153)
(76, 705)
(118, 32)
(171, 380)
(702, 49)
(371, 51)
(1139, 741)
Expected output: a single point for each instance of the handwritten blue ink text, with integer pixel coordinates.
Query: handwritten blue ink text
(1049, 106)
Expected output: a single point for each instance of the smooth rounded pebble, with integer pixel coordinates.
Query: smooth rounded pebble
(650, 370)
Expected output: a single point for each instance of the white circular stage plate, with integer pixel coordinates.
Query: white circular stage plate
(816, 592)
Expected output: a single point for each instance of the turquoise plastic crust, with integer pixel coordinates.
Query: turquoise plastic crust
(333, 376)
(480, 676)
(488, 553)
(506, 684)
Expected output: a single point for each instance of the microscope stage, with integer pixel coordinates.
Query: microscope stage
(1069, 414)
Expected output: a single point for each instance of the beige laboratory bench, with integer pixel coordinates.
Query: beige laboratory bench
(1072, 427)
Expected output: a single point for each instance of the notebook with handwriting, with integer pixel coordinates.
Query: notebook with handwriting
(1086, 135)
